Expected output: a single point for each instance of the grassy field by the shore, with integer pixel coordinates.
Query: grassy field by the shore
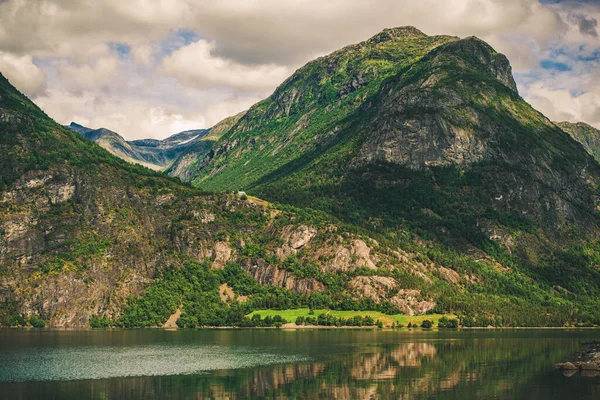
(388, 320)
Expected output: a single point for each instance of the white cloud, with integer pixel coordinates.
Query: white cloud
(239, 50)
(143, 116)
(22, 73)
(86, 76)
(143, 54)
(560, 104)
(197, 65)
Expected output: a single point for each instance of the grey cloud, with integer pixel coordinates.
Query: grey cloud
(256, 41)
(258, 32)
(587, 26)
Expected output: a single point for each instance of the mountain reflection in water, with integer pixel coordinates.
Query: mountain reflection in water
(316, 364)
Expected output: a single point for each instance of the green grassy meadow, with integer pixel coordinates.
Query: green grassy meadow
(388, 320)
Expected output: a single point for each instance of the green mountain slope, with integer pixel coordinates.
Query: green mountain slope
(426, 140)
(311, 107)
(585, 134)
(87, 238)
(186, 165)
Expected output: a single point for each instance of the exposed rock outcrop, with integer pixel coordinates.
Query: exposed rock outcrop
(588, 361)
(268, 274)
(379, 289)
(294, 238)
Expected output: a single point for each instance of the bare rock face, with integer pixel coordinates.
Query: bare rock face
(221, 254)
(363, 254)
(449, 275)
(294, 239)
(339, 255)
(301, 236)
(203, 216)
(380, 288)
(268, 274)
(228, 295)
(435, 135)
(59, 193)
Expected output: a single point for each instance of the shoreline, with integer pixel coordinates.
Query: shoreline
(292, 326)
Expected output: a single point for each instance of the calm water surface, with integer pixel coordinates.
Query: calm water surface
(157, 364)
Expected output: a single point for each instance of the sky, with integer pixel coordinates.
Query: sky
(152, 68)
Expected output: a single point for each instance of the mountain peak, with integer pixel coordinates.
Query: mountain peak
(401, 32)
(474, 49)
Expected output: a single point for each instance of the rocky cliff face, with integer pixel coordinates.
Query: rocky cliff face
(430, 119)
(458, 107)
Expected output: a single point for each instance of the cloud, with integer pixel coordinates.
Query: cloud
(23, 73)
(140, 105)
(587, 26)
(143, 54)
(90, 75)
(564, 105)
(253, 32)
(145, 67)
(198, 65)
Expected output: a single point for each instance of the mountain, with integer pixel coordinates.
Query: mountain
(186, 164)
(402, 174)
(75, 127)
(585, 134)
(425, 139)
(151, 153)
(89, 239)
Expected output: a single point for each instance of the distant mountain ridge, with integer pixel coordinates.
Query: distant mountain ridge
(151, 153)
(186, 165)
(587, 135)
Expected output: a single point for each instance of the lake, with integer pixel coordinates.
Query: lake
(271, 363)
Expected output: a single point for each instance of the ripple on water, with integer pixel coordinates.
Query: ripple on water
(58, 364)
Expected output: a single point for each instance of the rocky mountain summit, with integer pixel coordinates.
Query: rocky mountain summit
(151, 153)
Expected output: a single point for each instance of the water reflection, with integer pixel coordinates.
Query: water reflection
(362, 365)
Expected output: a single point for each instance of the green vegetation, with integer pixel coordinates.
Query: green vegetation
(503, 234)
(456, 216)
(33, 321)
(446, 322)
(196, 287)
(308, 316)
(347, 78)
(426, 324)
